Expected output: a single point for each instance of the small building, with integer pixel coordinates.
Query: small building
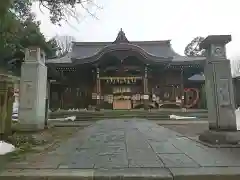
(124, 74)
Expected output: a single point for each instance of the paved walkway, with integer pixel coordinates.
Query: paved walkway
(127, 145)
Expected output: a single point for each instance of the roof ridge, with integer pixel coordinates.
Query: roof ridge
(89, 43)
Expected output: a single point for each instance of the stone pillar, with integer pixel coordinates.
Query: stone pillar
(98, 90)
(219, 92)
(33, 85)
(145, 88)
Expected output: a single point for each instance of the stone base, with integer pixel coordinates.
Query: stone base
(220, 137)
(29, 127)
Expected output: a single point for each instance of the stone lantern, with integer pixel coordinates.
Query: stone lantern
(33, 85)
(220, 94)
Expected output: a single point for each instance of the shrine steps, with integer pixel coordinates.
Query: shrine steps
(125, 114)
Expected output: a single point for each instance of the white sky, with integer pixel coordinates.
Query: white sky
(178, 20)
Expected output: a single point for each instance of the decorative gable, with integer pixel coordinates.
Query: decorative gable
(121, 37)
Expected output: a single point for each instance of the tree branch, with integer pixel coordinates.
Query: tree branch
(63, 9)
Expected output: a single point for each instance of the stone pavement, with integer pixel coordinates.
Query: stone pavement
(134, 147)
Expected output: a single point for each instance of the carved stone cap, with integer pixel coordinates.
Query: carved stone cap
(34, 54)
(215, 39)
(33, 49)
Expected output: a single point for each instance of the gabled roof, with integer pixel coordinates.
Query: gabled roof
(155, 51)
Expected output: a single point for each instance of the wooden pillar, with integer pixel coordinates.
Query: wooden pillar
(145, 88)
(61, 93)
(182, 88)
(98, 90)
(61, 97)
(47, 102)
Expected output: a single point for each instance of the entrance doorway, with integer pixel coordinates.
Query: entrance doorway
(122, 97)
(122, 104)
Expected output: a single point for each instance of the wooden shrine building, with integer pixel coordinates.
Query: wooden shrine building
(125, 74)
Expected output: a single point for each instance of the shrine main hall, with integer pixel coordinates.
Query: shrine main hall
(125, 74)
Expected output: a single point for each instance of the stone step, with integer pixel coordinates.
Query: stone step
(128, 117)
(163, 117)
(97, 174)
(128, 111)
(59, 123)
(152, 119)
(150, 115)
(138, 114)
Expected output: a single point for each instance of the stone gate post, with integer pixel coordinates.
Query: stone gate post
(219, 91)
(33, 86)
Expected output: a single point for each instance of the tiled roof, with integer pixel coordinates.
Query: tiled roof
(157, 51)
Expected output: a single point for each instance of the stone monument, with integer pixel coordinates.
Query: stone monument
(219, 92)
(33, 86)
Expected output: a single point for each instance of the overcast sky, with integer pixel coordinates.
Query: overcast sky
(178, 20)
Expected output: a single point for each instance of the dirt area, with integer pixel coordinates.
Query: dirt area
(30, 144)
(190, 130)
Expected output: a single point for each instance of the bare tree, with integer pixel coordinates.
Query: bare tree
(193, 49)
(59, 9)
(64, 43)
(63, 9)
